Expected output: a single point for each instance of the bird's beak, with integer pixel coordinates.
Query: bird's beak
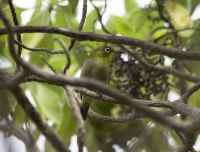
(118, 52)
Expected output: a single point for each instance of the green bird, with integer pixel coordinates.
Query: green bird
(97, 66)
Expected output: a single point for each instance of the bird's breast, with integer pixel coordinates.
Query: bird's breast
(101, 73)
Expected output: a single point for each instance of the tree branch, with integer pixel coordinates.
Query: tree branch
(104, 89)
(26, 137)
(16, 23)
(42, 126)
(10, 82)
(78, 117)
(73, 104)
(83, 36)
(177, 106)
(66, 53)
(80, 26)
(187, 94)
(134, 115)
(40, 49)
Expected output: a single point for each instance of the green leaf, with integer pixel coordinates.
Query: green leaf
(122, 26)
(194, 39)
(41, 18)
(67, 128)
(91, 17)
(35, 132)
(38, 5)
(58, 62)
(176, 138)
(18, 11)
(189, 4)
(91, 141)
(195, 99)
(7, 102)
(18, 116)
(77, 59)
(180, 16)
(46, 42)
(178, 13)
(130, 5)
(48, 147)
(68, 17)
(72, 5)
(53, 2)
(2, 43)
(48, 102)
(141, 20)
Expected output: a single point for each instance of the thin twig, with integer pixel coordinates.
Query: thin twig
(78, 117)
(16, 23)
(73, 104)
(100, 16)
(50, 66)
(9, 30)
(153, 31)
(187, 94)
(81, 24)
(40, 49)
(66, 52)
(160, 11)
(130, 117)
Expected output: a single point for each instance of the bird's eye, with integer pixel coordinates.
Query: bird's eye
(107, 50)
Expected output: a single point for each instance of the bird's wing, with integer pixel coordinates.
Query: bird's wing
(87, 68)
(92, 69)
(86, 72)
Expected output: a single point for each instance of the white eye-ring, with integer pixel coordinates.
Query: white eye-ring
(107, 50)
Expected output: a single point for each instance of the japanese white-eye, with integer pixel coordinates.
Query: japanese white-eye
(96, 66)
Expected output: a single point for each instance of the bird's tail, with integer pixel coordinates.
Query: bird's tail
(84, 111)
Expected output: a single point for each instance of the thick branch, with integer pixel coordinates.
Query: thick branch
(102, 88)
(83, 36)
(7, 82)
(42, 126)
(176, 106)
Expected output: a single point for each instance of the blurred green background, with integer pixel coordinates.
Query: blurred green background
(129, 76)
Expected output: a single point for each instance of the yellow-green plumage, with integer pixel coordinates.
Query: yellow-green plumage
(97, 66)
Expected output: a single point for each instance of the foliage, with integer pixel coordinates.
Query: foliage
(127, 75)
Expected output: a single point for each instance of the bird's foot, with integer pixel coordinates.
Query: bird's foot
(99, 96)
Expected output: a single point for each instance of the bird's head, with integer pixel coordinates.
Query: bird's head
(104, 54)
